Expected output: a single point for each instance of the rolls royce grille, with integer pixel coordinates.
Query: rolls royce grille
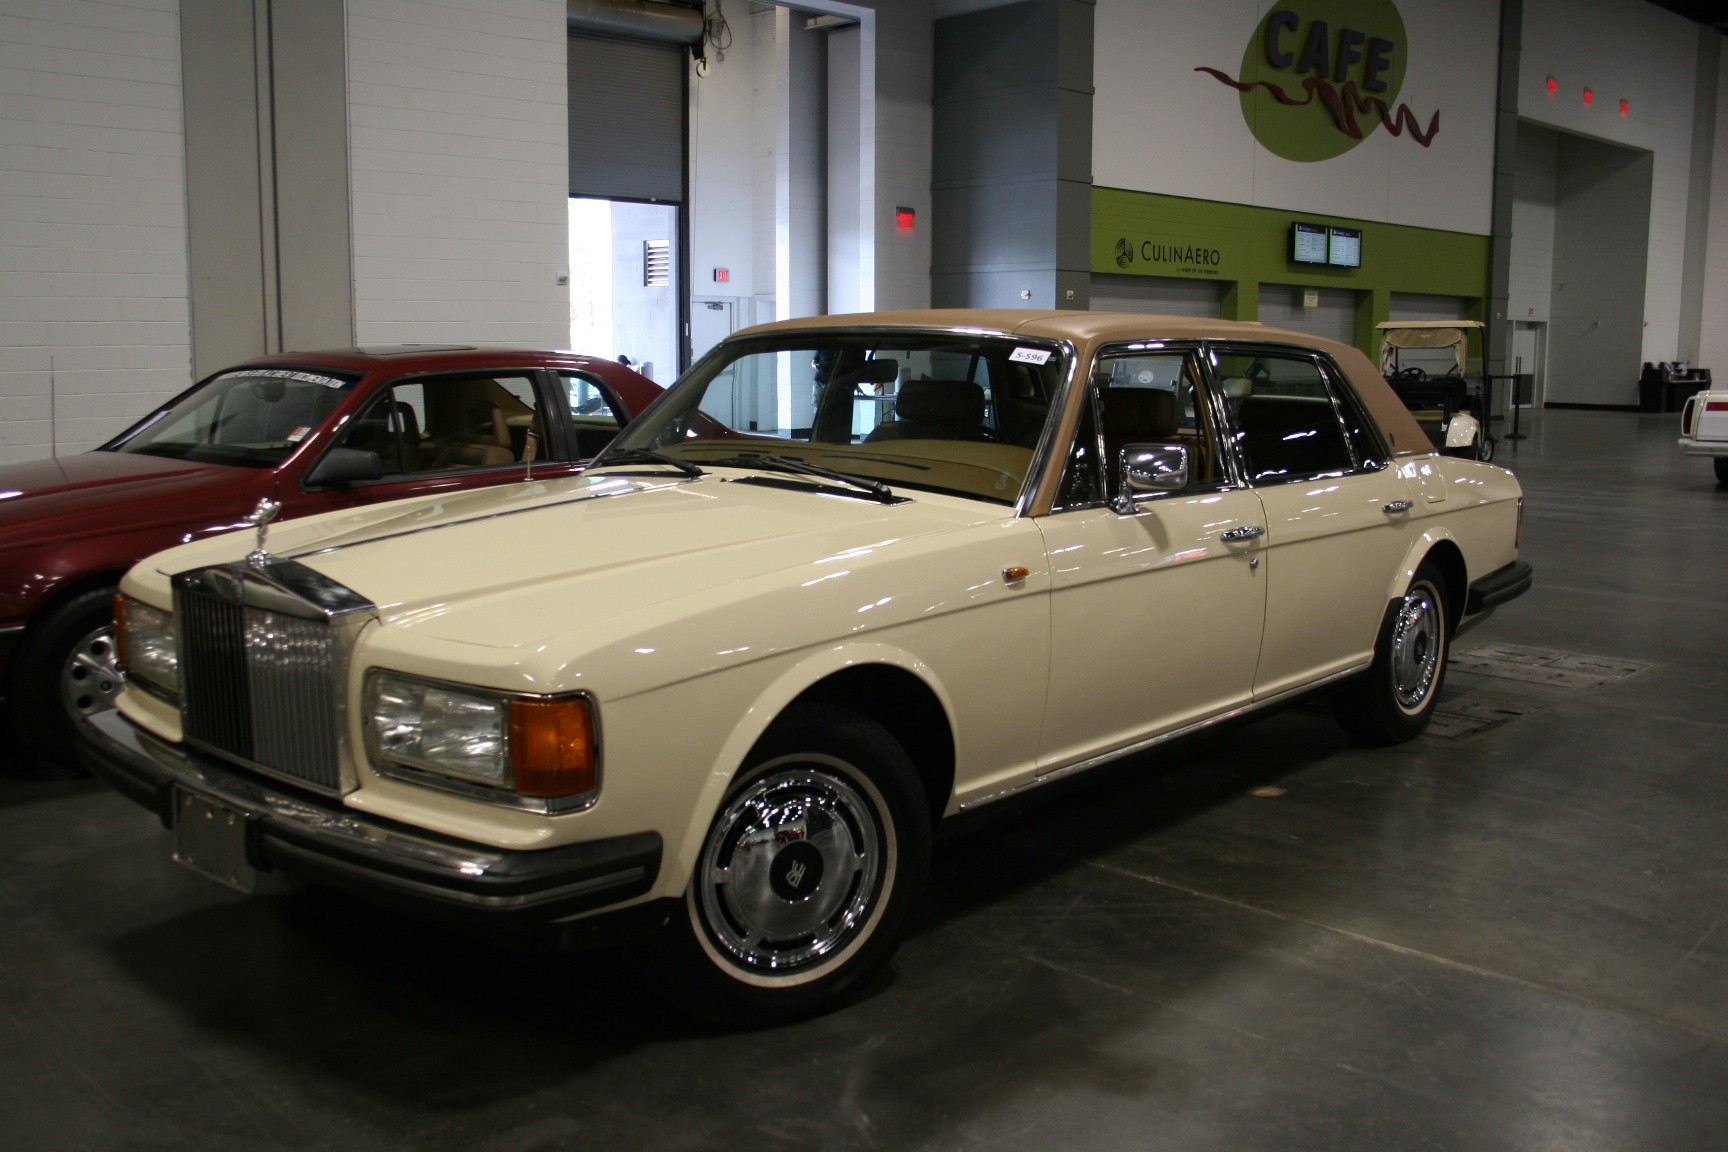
(261, 688)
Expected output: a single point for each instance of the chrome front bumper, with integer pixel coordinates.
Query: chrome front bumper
(380, 860)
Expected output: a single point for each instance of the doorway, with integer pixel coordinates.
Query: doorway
(624, 263)
(1529, 346)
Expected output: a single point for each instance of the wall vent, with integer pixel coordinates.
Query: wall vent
(656, 263)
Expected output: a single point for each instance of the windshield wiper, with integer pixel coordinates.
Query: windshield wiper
(874, 488)
(645, 456)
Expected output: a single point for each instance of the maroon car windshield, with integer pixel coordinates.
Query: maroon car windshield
(251, 417)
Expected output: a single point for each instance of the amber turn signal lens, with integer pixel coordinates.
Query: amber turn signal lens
(552, 747)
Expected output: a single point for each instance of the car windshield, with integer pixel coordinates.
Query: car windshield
(253, 417)
(938, 411)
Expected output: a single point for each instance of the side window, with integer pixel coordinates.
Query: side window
(1286, 416)
(1143, 398)
(595, 414)
(1083, 477)
(451, 422)
(1365, 442)
(1156, 398)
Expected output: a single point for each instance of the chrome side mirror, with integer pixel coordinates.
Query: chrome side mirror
(1148, 469)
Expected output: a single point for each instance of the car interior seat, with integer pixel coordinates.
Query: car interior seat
(1136, 416)
(1289, 435)
(482, 442)
(935, 410)
(376, 431)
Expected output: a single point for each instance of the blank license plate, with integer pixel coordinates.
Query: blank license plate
(210, 837)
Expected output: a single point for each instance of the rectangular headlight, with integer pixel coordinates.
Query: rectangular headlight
(148, 651)
(531, 751)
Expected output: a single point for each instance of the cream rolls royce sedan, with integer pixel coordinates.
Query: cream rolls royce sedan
(848, 578)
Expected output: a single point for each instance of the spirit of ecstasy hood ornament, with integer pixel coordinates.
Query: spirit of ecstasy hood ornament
(260, 518)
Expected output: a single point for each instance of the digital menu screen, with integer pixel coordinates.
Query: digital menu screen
(1308, 243)
(1344, 247)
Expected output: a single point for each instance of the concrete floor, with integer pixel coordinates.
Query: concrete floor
(1509, 940)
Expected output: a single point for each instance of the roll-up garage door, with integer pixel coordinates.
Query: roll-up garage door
(627, 107)
(1335, 318)
(1425, 306)
(1167, 295)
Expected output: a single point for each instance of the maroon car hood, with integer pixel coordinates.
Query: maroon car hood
(72, 495)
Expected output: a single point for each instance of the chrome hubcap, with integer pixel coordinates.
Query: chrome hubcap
(792, 867)
(1416, 645)
(91, 677)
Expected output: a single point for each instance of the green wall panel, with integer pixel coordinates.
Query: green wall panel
(1145, 234)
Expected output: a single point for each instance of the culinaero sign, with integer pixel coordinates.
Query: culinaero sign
(1320, 76)
(1200, 258)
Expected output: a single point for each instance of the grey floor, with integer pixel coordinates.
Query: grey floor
(1510, 939)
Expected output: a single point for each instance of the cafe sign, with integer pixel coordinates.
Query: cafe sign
(1318, 77)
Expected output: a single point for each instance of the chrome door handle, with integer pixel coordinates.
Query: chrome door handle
(1397, 506)
(1246, 532)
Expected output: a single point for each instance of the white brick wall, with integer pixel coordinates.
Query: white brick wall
(93, 313)
(460, 180)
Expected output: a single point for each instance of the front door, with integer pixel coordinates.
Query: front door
(443, 433)
(1156, 603)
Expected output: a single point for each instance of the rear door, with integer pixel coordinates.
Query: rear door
(1337, 513)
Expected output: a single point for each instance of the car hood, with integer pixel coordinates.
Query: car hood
(510, 567)
(69, 495)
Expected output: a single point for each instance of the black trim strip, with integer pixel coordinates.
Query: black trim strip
(1499, 586)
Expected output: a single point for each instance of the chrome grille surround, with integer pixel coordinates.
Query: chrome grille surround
(264, 654)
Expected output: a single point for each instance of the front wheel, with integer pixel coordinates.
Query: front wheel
(806, 875)
(64, 672)
(1392, 701)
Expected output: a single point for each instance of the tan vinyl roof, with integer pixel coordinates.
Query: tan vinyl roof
(1087, 331)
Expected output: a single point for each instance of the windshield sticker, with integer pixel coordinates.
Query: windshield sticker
(298, 434)
(1030, 355)
(285, 374)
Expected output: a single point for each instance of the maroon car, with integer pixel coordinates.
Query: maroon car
(311, 430)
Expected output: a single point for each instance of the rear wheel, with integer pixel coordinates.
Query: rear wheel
(806, 875)
(1722, 470)
(64, 672)
(1393, 700)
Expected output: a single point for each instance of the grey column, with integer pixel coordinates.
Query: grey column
(1498, 334)
(268, 204)
(1012, 169)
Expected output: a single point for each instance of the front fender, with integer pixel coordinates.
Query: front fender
(767, 706)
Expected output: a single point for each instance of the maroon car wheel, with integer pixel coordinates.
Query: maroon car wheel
(63, 673)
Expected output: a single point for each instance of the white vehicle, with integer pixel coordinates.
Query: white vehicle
(1442, 402)
(849, 578)
(1704, 429)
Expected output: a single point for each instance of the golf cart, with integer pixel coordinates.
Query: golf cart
(1424, 361)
